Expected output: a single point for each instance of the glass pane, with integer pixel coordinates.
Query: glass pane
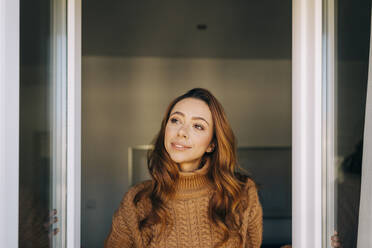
(347, 109)
(42, 124)
(130, 76)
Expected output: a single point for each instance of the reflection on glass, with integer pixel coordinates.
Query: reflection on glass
(348, 197)
(353, 31)
(42, 121)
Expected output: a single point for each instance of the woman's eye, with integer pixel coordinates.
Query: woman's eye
(173, 120)
(199, 127)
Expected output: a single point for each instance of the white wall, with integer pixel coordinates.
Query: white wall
(124, 100)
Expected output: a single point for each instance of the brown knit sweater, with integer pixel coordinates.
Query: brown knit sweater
(189, 217)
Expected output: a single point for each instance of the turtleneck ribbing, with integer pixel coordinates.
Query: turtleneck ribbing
(193, 184)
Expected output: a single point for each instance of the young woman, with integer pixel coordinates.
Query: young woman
(195, 197)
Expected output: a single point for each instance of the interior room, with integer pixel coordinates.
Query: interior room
(138, 56)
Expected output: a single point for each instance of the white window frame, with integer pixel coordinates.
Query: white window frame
(329, 115)
(307, 124)
(9, 122)
(73, 123)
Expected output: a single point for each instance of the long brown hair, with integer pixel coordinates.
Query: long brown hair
(226, 200)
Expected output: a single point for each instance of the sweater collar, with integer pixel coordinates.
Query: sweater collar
(195, 183)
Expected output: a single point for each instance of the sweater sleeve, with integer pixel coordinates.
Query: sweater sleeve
(123, 222)
(254, 230)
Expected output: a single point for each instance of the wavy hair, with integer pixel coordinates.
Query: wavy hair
(226, 201)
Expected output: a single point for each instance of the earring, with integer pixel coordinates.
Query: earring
(211, 149)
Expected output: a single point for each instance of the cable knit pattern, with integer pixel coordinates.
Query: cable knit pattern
(189, 217)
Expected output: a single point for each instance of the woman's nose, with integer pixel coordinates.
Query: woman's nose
(182, 131)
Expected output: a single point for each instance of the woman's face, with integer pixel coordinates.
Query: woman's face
(188, 133)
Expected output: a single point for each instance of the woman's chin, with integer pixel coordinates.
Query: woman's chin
(182, 160)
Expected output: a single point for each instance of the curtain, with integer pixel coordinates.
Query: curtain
(365, 209)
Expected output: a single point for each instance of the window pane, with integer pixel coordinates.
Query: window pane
(42, 124)
(352, 32)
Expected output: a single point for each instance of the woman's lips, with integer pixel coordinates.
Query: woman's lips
(179, 146)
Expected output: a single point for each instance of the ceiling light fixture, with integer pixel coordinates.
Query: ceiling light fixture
(201, 26)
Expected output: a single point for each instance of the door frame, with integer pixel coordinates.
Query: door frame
(307, 129)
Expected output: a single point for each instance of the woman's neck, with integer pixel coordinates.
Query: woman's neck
(191, 166)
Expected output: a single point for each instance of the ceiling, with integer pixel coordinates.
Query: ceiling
(259, 29)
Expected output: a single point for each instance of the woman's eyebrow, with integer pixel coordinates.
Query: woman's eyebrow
(193, 118)
(177, 113)
(200, 118)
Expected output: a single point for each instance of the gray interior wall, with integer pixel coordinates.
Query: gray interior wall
(124, 99)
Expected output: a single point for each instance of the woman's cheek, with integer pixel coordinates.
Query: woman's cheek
(204, 138)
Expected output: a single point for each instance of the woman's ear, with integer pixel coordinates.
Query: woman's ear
(210, 147)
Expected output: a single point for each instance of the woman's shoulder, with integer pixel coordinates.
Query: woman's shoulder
(128, 198)
(249, 192)
(250, 184)
(138, 187)
(246, 181)
(128, 207)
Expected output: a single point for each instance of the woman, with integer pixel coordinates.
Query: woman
(195, 198)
